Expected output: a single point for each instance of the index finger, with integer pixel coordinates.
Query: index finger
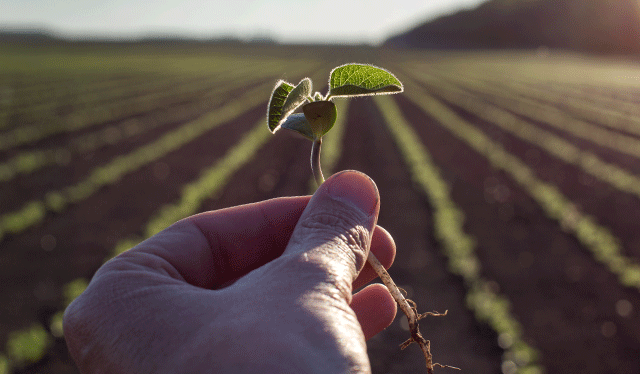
(245, 237)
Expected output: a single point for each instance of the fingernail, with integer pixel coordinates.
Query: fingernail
(356, 188)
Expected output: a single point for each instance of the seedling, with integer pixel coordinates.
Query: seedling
(317, 118)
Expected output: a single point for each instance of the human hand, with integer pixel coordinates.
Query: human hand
(264, 287)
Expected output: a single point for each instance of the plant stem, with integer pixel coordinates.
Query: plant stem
(408, 307)
(315, 161)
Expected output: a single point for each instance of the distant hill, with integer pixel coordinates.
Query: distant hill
(594, 26)
(27, 36)
(38, 37)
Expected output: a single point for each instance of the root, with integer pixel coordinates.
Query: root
(409, 308)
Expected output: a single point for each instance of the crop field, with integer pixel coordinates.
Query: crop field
(510, 182)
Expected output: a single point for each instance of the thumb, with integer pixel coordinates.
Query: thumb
(334, 231)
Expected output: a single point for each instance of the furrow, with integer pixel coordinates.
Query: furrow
(459, 247)
(612, 174)
(33, 212)
(29, 161)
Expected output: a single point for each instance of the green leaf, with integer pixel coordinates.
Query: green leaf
(298, 122)
(296, 97)
(321, 116)
(360, 80)
(276, 103)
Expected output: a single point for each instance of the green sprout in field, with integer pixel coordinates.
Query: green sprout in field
(317, 118)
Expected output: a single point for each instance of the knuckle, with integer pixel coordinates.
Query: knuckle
(343, 229)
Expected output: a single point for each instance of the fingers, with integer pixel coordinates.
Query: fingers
(375, 309)
(214, 248)
(335, 230)
(384, 248)
(245, 237)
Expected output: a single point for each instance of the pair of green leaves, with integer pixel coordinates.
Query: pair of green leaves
(319, 114)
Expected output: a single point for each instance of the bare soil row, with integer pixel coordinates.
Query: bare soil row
(564, 299)
(568, 304)
(614, 209)
(420, 268)
(621, 159)
(33, 271)
(35, 185)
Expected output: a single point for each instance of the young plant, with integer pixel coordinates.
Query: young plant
(317, 118)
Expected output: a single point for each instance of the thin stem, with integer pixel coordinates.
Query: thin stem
(408, 307)
(315, 161)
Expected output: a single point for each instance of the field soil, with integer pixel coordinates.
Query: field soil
(564, 299)
(571, 308)
(85, 234)
(456, 339)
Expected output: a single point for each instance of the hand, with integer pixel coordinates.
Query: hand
(258, 288)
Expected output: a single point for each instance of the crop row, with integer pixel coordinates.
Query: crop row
(608, 87)
(28, 161)
(594, 77)
(86, 83)
(568, 151)
(615, 114)
(31, 160)
(546, 112)
(207, 186)
(16, 97)
(623, 102)
(96, 115)
(18, 94)
(33, 212)
(38, 106)
(605, 247)
(540, 106)
(458, 246)
(79, 94)
(29, 345)
(52, 124)
(34, 68)
(555, 145)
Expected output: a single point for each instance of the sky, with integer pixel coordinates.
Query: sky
(323, 21)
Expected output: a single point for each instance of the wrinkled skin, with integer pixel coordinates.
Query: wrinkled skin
(264, 287)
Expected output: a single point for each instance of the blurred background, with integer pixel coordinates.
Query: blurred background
(120, 117)
(604, 26)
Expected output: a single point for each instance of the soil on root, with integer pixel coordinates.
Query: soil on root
(567, 303)
(456, 339)
(32, 274)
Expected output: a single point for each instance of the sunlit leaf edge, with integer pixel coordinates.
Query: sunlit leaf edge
(351, 90)
(296, 97)
(276, 103)
(389, 84)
